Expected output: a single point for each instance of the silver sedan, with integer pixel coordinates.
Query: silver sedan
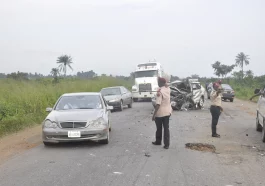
(77, 117)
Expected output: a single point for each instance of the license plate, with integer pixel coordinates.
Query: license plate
(145, 95)
(74, 134)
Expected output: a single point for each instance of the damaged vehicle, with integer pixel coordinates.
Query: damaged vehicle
(186, 95)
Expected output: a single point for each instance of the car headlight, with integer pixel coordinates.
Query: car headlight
(134, 88)
(98, 123)
(50, 124)
(114, 100)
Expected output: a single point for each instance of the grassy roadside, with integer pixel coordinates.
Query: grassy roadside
(23, 103)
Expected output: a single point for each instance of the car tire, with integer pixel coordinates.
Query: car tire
(263, 132)
(47, 143)
(231, 100)
(110, 128)
(201, 103)
(121, 106)
(105, 141)
(258, 125)
(130, 105)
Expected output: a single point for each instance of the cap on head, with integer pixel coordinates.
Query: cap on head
(161, 81)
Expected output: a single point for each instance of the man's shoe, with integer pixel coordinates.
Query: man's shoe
(166, 147)
(216, 136)
(155, 143)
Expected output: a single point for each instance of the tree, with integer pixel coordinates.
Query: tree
(55, 73)
(18, 75)
(221, 69)
(241, 60)
(249, 73)
(195, 76)
(227, 69)
(64, 61)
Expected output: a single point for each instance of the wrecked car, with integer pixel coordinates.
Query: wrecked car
(186, 94)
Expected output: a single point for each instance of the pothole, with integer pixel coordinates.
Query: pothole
(201, 147)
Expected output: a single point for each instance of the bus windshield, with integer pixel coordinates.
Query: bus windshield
(150, 73)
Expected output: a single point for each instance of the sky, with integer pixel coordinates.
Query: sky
(113, 36)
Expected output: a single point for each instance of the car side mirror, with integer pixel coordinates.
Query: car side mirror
(48, 109)
(256, 91)
(109, 107)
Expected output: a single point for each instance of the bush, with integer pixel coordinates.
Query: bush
(23, 103)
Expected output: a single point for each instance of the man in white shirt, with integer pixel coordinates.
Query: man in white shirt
(162, 113)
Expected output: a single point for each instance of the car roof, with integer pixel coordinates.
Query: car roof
(82, 94)
(112, 87)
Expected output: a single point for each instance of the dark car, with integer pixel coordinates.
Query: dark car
(117, 97)
(228, 92)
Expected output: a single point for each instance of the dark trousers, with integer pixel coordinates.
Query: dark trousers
(162, 122)
(215, 111)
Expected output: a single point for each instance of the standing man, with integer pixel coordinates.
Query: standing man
(162, 113)
(216, 108)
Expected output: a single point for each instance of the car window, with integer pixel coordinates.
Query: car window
(79, 102)
(110, 91)
(196, 86)
(225, 86)
(123, 90)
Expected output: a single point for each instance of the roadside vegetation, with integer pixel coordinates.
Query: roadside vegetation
(23, 103)
(24, 97)
(243, 82)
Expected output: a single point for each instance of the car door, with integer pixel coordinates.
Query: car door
(105, 108)
(124, 97)
(196, 91)
(261, 107)
(129, 95)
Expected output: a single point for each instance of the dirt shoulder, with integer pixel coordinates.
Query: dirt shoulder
(19, 142)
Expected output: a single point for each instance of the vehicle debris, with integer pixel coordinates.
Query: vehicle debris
(147, 154)
(201, 147)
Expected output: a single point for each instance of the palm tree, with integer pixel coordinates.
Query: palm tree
(249, 73)
(241, 60)
(64, 61)
(55, 72)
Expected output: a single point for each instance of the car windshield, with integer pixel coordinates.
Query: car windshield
(79, 102)
(225, 86)
(150, 73)
(110, 91)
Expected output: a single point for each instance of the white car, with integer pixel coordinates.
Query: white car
(193, 86)
(260, 119)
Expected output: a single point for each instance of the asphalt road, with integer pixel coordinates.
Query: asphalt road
(239, 158)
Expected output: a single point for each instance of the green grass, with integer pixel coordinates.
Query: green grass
(23, 103)
(244, 90)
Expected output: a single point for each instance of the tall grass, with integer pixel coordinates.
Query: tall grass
(23, 103)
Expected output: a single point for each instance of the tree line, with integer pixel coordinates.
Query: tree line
(241, 60)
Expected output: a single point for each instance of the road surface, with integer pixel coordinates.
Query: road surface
(131, 159)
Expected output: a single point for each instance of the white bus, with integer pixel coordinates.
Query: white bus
(145, 77)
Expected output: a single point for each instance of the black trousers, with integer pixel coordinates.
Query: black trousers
(162, 122)
(215, 111)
